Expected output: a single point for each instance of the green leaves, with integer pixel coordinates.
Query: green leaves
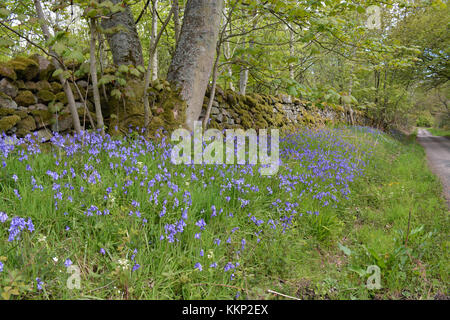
(107, 78)
(4, 13)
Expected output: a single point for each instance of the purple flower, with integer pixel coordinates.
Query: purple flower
(102, 251)
(68, 262)
(16, 227)
(135, 267)
(198, 266)
(201, 224)
(1, 266)
(39, 284)
(3, 217)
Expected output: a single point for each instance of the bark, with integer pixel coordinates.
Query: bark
(124, 40)
(227, 54)
(292, 53)
(213, 92)
(176, 19)
(93, 70)
(194, 56)
(154, 53)
(57, 64)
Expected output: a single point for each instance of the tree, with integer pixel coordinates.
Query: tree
(122, 36)
(194, 56)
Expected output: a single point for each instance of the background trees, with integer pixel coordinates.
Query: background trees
(317, 51)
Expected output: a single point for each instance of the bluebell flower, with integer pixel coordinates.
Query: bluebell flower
(68, 262)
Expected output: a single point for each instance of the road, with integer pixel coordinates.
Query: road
(438, 154)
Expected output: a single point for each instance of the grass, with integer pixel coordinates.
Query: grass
(341, 202)
(439, 132)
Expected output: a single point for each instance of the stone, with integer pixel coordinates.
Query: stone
(230, 121)
(219, 117)
(38, 106)
(43, 118)
(27, 124)
(46, 67)
(286, 98)
(63, 123)
(7, 72)
(8, 88)
(215, 104)
(44, 135)
(215, 110)
(8, 122)
(61, 97)
(56, 87)
(45, 96)
(31, 85)
(82, 84)
(44, 85)
(25, 68)
(7, 102)
(26, 98)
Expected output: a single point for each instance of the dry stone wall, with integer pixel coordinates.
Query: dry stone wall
(31, 100)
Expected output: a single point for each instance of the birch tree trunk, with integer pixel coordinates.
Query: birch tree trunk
(124, 44)
(64, 82)
(194, 56)
(291, 53)
(93, 70)
(154, 53)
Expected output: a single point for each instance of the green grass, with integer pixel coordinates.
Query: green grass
(439, 132)
(318, 257)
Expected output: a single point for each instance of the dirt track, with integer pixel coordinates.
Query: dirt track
(438, 154)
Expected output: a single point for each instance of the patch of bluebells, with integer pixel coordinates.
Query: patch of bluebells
(316, 167)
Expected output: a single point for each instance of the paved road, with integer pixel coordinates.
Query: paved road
(438, 154)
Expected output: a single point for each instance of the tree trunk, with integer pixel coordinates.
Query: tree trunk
(124, 44)
(291, 53)
(194, 56)
(93, 70)
(176, 19)
(154, 53)
(64, 82)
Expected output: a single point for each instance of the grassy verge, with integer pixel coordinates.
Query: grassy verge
(134, 226)
(439, 132)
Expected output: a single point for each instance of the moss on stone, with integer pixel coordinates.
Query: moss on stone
(61, 97)
(56, 87)
(22, 114)
(44, 85)
(27, 124)
(25, 98)
(8, 122)
(31, 86)
(42, 116)
(46, 95)
(6, 112)
(25, 68)
(7, 72)
(231, 97)
(20, 84)
(55, 107)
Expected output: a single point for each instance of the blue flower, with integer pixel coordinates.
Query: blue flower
(3, 217)
(198, 266)
(39, 284)
(135, 267)
(68, 262)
